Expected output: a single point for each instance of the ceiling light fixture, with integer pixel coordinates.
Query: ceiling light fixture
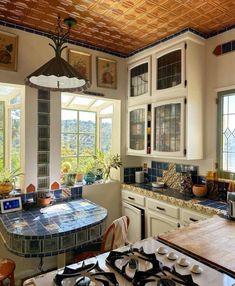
(58, 74)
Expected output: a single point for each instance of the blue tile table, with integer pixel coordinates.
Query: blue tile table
(52, 230)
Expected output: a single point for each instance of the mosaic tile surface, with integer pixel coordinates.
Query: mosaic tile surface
(52, 230)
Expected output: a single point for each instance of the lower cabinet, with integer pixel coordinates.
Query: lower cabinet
(188, 216)
(161, 217)
(136, 227)
(158, 223)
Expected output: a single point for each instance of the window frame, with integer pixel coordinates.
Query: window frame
(105, 116)
(220, 107)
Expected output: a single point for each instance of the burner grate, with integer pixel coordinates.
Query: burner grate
(86, 275)
(156, 271)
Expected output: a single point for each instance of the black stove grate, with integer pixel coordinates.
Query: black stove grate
(156, 272)
(84, 275)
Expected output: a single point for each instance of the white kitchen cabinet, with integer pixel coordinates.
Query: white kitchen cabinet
(189, 216)
(135, 227)
(139, 77)
(161, 217)
(137, 130)
(159, 223)
(133, 205)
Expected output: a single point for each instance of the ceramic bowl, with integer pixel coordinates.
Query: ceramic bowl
(199, 190)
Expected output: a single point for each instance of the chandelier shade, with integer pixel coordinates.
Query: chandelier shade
(57, 74)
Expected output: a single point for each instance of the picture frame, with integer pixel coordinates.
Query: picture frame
(81, 62)
(8, 51)
(106, 73)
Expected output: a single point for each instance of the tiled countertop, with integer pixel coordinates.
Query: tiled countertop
(202, 205)
(54, 229)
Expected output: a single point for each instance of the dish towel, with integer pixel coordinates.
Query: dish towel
(120, 232)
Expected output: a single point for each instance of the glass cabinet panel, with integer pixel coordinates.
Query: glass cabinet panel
(169, 70)
(139, 80)
(167, 135)
(137, 123)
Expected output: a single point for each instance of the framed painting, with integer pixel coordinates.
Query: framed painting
(8, 51)
(106, 73)
(81, 62)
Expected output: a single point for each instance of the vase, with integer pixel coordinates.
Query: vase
(70, 179)
(89, 178)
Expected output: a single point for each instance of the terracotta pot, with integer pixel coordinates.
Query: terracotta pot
(199, 190)
(44, 202)
(5, 188)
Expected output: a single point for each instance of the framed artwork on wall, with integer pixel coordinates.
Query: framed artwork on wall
(8, 51)
(81, 62)
(106, 73)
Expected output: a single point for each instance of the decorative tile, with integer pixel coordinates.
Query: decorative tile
(67, 241)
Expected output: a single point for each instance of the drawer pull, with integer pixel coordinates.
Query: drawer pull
(193, 219)
(131, 198)
(161, 209)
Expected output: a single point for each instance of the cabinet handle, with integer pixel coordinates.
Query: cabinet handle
(131, 198)
(193, 219)
(161, 209)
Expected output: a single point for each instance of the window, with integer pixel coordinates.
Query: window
(105, 134)
(10, 127)
(78, 138)
(2, 141)
(226, 131)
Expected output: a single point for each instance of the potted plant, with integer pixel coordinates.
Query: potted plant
(107, 161)
(44, 198)
(7, 180)
(89, 169)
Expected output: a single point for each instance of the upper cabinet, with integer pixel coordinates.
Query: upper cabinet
(176, 96)
(169, 72)
(139, 81)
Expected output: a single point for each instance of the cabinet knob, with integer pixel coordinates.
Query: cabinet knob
(178, 224)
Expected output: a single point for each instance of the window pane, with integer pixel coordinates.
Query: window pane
(105, 134)
(86, 143)
(69, 121)
(227, 149)
(68, 164)
(68, 144)
(87, 122)
(15, 139)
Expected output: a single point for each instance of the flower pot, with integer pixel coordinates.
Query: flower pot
(199, 190)
(70, 179)
(44, 202)
(89, 178)
(5, 188)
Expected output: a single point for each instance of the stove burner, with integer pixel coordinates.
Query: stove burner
(156, 272)
(166, 282)
(84, 276)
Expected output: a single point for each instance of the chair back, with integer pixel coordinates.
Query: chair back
(115, 236)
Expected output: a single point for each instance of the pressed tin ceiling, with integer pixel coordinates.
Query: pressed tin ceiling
(122, 26)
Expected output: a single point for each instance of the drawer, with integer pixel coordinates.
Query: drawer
(163, 208)
(133, 198)
(190, 216)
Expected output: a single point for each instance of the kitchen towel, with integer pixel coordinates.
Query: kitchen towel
(120, 232)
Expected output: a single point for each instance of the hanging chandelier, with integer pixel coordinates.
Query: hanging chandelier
(57, 74)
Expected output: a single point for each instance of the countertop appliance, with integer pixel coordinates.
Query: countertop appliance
(139, 177)
(231, 204)
(148, 262)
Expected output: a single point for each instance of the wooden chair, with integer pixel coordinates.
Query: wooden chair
(107, 243)
(7, 268)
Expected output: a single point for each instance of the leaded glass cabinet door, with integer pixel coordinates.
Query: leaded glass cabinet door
(137, 130)
(169, 72)
(168, 128)
(139, 81)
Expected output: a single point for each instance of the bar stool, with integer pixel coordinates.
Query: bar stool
(7, 267)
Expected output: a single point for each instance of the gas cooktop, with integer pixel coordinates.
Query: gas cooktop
(148, 262)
